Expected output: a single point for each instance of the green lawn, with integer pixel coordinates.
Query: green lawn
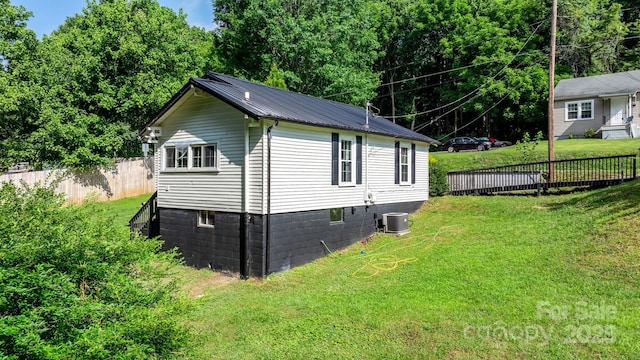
(496, 277)
(564, 149)
(124, 209)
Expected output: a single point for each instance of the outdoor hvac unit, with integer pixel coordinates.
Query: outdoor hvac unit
(395, 223)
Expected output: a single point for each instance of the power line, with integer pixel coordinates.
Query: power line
(481, 86)
(479, 116)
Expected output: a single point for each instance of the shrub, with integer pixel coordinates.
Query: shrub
(527, 146)
(589, 134)
(437, 178)
(73, 284)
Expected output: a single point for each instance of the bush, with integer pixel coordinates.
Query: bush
(73, 285)
(589, 134)
(526, 147)
(437, 178)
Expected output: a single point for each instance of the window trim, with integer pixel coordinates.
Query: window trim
(216, 157)
(190, 157)
(579, 110)
(406, 164)
(210, 217)
(352, 160)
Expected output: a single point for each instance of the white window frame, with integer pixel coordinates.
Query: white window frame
(579, 110)
(177, 161)
(202, 147)
(206, 218)
(351, 163)
(402, 164)
(187, 162)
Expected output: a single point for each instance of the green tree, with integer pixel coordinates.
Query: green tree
(275, 78)
(323, 47)
(590, 35)
(102, 75)
(18, 103)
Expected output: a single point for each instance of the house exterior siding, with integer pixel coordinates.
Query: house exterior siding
(274, 187)
(204, 118)
(565, 129)
(301, 171)
(615, 110)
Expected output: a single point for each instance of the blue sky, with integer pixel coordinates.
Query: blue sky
(48, 15)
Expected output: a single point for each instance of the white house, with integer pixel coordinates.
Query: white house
(605, 103)
(254, 179)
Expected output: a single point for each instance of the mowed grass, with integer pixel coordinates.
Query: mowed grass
(564, 149)
(497, 277)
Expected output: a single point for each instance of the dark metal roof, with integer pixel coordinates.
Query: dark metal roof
(282, 105)
(627, 82)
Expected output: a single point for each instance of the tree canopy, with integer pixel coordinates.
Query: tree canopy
(441, 67)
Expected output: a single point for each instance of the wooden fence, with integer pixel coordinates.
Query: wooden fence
(129, 177)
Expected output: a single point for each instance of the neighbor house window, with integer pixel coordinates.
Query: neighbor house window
(206, 218)
(579, 110)
(203, 156)
(346, 161)
(336, 215)
(176, 157)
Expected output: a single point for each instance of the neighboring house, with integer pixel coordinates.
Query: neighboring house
(254, 179)
(605, 103)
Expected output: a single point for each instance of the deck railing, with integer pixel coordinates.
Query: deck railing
(146, 220)
(598, 171)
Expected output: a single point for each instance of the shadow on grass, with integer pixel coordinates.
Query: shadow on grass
(610, 202)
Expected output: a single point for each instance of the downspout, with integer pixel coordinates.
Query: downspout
(245, 256)
(268, 232)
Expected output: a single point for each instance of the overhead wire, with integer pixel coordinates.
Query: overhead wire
(473, 91)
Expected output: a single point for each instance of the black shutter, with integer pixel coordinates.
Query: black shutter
(397, 163)
(335, 153)
(413, 163)
(358, 160)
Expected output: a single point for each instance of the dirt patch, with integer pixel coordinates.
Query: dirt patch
(207, 282)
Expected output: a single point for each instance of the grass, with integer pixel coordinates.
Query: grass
(496, 277)
(122, 210)
(559, 274)
(564, 149)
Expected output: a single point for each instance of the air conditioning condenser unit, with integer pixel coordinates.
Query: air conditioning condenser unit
(395, 223)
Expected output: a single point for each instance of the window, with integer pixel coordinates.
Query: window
(191, 157)
(346, 162)
(176, 156)
(579, 110)
(206, 218)
(404, 164)
(336, 215)
(203, 156)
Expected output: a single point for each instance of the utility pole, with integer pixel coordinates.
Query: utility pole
(552, 69)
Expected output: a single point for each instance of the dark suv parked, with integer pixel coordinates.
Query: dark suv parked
(465, 143)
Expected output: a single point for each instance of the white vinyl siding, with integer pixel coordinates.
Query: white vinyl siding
(301, 171)
(257, 170)
(197, 121)
(579, 110)
(300, 164)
